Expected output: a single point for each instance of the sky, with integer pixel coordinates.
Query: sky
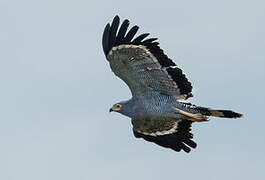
(56, 90)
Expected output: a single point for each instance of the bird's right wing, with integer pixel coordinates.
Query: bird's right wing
(167, 133)
(141, 64)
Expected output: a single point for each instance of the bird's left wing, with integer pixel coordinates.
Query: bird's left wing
(141, 64)
(167, 133)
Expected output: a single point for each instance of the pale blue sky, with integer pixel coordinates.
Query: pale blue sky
(57, 87)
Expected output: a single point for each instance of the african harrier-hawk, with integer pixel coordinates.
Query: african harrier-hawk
(157, 85)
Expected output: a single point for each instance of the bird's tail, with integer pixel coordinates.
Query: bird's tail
(214, 112)
(224, 113)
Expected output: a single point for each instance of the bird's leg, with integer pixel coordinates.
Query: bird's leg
(193, 117)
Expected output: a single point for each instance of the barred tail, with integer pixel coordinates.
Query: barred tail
(198, 110)
(212, 112)
(219, 113)
(225, 113)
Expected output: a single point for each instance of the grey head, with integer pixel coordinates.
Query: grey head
(123, 107)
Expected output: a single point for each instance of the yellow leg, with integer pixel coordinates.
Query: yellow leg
(193, 117)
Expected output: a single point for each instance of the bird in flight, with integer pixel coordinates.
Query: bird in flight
(157, 86)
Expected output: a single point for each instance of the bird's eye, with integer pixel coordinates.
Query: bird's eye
(117, 106)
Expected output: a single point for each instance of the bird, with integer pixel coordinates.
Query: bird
(158, 108)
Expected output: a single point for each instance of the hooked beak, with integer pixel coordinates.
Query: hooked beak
(110, 110)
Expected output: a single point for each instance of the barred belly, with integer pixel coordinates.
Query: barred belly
(159, 105)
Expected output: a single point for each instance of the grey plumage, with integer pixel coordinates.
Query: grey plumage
(156, 84)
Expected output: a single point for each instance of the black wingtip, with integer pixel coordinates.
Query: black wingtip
(117, 17)
(190, 143)
(122, 31)
(113, 31)
(128, 38)
(183, 84)
(105, 39)
(111, 38)
(140, 38)
(180, 140)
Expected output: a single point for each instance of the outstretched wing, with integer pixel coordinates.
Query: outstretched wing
(141, 63)
(166, 133)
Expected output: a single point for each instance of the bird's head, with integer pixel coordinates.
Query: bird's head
(123, 107)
